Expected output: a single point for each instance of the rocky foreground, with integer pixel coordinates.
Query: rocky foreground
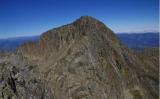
(81, 60)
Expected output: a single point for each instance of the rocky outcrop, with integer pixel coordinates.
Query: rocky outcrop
(19, 80)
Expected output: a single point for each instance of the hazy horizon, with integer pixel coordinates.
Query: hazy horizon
(25, 36)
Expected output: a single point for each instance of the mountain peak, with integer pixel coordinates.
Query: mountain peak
(87, 18)
(54, 39)
(85, 59)
(88, 21)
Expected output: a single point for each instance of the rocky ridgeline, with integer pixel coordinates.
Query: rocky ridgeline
(81, 60)
(19, 80)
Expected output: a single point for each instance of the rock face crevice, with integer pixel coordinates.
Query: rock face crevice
(84, 60)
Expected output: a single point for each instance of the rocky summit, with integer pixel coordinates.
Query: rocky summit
(80, 60)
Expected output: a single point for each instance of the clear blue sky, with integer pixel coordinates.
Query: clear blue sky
(33, 17)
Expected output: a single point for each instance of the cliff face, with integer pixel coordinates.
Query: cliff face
(85, 60)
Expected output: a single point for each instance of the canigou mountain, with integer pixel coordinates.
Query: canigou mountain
(81, 60)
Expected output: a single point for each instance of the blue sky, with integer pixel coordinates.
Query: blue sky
(33, 17)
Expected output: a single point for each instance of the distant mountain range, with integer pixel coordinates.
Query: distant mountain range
(135, 41)
(11, 44)
(139, 41)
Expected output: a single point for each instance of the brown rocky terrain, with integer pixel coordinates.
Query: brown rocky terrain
(81, 60)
